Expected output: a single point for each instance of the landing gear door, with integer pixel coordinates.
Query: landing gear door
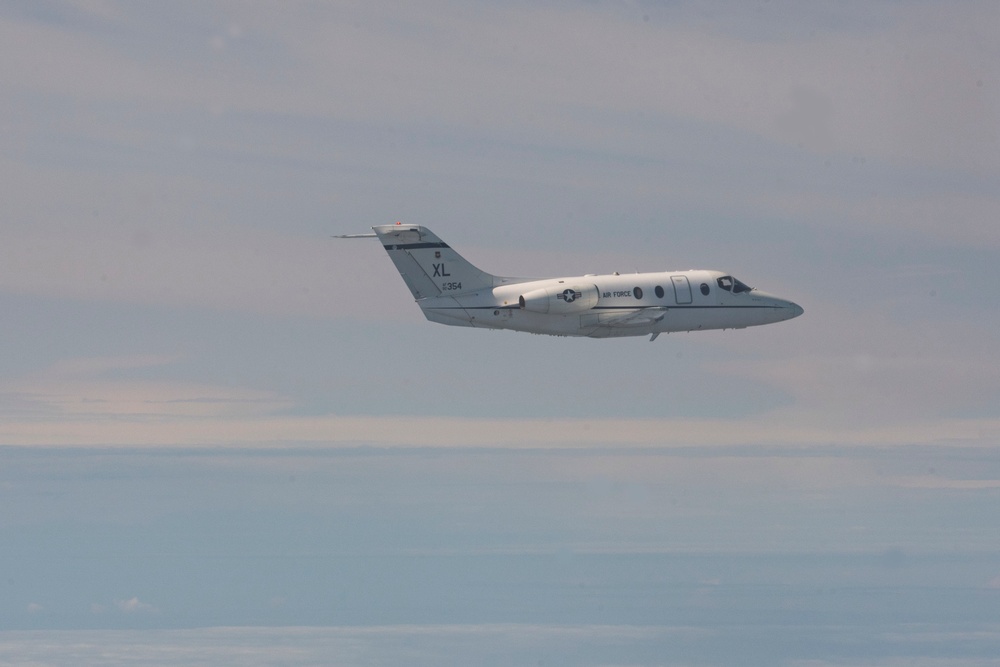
(682, 289)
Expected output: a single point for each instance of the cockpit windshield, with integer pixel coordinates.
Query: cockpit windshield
(733, 285)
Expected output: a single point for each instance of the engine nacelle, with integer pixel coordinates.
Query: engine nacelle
(560, 299)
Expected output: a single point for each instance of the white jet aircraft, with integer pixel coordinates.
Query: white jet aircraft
(450, 290)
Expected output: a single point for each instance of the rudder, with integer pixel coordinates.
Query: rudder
(428, 265)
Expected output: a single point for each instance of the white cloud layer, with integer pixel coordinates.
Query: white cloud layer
(135, 606)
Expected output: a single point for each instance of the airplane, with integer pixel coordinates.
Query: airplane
(450, 290)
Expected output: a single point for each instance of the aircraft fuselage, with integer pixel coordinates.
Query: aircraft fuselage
(450, 290)
(612, 305)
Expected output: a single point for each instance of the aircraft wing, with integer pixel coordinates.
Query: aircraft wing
(636, 318)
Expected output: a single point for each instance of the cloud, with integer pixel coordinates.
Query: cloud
(96, 401)
(912, 85)
(936, 482)
(76, 389)
(35, 608)
(416, 645)
(134, 606)
(884, 361)
(351, 431)
(858, 89)
(217, 266)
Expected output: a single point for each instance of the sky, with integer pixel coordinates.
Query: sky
(221, 427)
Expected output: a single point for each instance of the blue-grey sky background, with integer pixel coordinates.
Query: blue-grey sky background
(212, 414)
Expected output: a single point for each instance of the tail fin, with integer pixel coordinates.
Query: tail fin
(428, 265)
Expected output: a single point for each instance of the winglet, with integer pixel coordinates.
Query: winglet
(355, 236)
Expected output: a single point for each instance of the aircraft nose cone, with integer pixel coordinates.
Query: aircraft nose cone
(796, 309)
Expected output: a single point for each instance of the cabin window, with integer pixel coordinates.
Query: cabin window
(704, 289)
(637, 292)
(733, 285)
(659, 292)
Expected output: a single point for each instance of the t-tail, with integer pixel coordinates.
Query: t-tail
(428, 265)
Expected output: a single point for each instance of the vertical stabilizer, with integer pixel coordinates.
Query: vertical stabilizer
(428, 265)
